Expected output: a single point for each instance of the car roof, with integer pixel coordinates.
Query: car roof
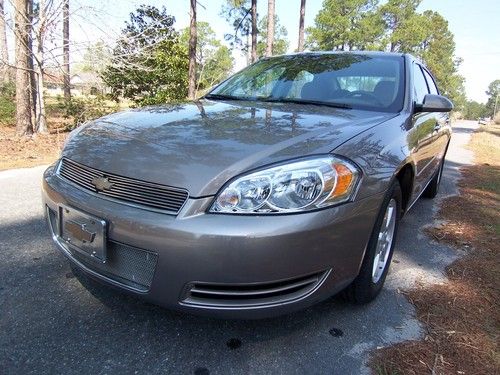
(360, 52)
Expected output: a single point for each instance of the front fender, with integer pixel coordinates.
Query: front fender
(381, 152)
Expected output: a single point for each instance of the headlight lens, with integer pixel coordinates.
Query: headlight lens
(294, 187)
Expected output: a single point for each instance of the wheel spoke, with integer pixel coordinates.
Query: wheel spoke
(388, 217)
(384, 241)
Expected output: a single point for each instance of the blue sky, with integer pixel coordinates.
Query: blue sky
(473, 22)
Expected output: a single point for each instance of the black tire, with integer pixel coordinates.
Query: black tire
(364, 289)
(433, 188)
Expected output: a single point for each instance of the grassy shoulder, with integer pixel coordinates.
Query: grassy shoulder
(462, 316)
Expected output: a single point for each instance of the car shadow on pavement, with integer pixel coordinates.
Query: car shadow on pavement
(51, 319)
(460, 129)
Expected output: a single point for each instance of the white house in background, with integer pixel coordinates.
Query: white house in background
(84, 83)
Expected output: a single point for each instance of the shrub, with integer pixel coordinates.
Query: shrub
(85, 109)
(7, 104)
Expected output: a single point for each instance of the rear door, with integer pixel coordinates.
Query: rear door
(421, 136)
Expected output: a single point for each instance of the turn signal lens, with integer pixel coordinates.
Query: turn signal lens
(344, 180)
(297, 186)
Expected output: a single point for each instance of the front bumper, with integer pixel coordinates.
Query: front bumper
(223, 265)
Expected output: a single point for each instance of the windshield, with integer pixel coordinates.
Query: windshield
(344, 80)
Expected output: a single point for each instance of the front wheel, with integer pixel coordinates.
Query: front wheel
(371, 278)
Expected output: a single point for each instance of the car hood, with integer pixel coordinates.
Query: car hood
(199, 146)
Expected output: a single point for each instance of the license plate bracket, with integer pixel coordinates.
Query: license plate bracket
(83, 232)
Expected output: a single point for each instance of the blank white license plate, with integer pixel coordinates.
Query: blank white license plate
(83, 232)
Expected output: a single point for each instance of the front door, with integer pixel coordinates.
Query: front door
(422, 136)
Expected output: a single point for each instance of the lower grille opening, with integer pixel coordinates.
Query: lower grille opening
(125, 264)
(255, 294)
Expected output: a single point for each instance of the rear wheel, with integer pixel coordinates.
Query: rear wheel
(371, 278)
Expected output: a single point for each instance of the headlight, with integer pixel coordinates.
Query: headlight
(298, 186)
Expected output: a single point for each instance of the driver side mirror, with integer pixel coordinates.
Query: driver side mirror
(434, 103)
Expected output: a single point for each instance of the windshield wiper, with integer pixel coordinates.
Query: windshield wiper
(305, 101)
(223, 97)
(279, 100)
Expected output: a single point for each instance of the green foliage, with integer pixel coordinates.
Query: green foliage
(394, 26)
(85, 109)
(149, 63)
(238, 14)
(280, 45)
(95, 59)
(474, 110)
(493, 92)
(7, 104)
(217, 68)
(345, 25)
(402, 24)
(437, 50)
(214, 61)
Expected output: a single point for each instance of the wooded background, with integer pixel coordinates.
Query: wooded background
(153, 62)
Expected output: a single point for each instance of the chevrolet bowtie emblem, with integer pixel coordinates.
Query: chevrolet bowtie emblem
(102, 183)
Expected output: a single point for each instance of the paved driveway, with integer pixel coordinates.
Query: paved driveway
(50, 323)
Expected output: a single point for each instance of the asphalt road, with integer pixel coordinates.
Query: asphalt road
(50, 323)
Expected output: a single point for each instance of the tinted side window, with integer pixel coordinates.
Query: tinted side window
(299, 81)
(420, 85)
(430, 82)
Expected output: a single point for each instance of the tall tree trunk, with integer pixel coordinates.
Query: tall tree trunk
(31, 66)
(4, 51)
(66, 73)
(249, 50)
(270, 27)
(254, 31)
(301, 25)
(40, 116)
(23, 98)
(192, 51)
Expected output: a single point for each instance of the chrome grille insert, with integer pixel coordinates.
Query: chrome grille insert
(126, 189)
(127, 265)
(241, 295)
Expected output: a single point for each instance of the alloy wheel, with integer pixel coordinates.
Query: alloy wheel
(384, 243)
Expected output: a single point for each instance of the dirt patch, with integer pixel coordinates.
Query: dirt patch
(21, 152)
(462, 316)
(39, 149)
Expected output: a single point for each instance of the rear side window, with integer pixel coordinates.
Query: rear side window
(420, 85)
(430, 82)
